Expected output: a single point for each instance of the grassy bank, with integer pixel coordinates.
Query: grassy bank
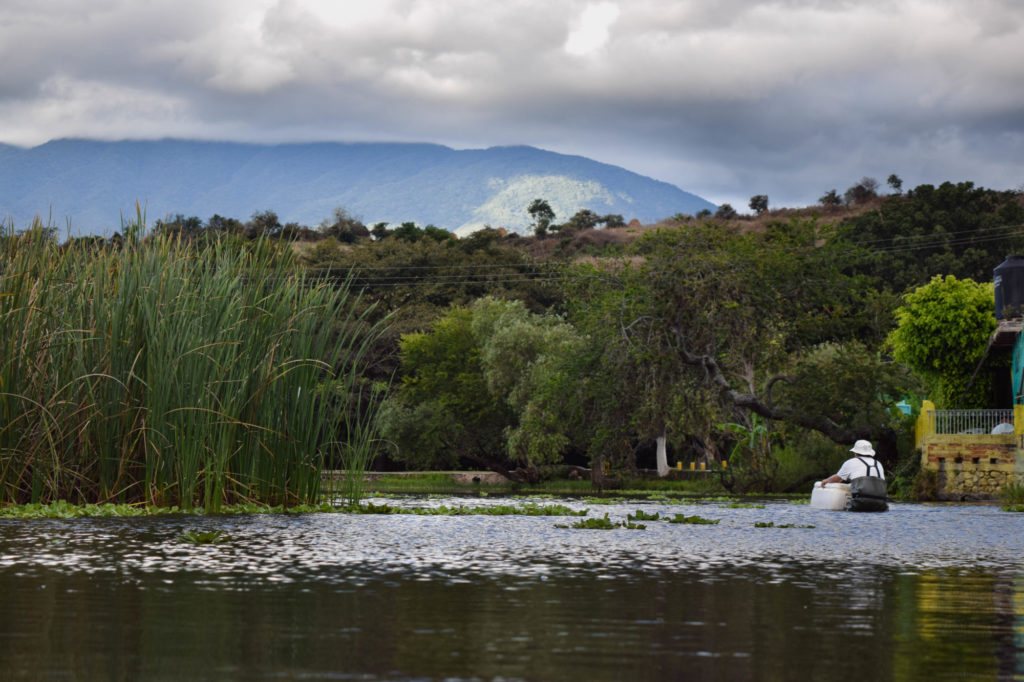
(438, 483)
(157, 372)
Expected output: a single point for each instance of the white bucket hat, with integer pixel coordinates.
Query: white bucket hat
(863, 447)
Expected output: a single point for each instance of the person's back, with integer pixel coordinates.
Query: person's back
(866, 477)
(861, 465)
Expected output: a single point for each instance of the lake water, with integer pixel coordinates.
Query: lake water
(919, 593)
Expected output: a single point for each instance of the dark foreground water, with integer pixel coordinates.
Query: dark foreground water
(919, 593)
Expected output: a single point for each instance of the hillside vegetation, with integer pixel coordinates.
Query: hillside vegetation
(761, 341)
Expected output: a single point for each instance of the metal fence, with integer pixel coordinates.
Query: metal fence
(969, 421)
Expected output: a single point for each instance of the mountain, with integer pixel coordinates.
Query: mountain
(91, 184)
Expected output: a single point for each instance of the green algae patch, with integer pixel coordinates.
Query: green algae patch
(695, 520)
(602, 523)
(772, 524)
(195, 537)
(66, 510)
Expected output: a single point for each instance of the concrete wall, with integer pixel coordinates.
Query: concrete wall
(975, 465)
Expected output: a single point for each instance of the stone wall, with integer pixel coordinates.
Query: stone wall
(971, 465)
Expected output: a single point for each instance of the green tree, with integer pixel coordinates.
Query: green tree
(408, 232)
(442, 413)
(220, 224)
(613, 220)
(542, 215)
(830, 199)
(726, 212)
(709, 320)
(467, 390)
(895, 183)
(865, 190)
(438, 234)
(942, 334)
(750, 459)
(344, 227)
(264, 223)
(583, 219)
(759, 203)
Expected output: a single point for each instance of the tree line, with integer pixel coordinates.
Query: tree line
(771, 346)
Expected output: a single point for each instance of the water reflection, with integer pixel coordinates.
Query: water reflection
(919, 593)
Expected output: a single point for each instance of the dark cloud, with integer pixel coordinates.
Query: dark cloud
(727, 99)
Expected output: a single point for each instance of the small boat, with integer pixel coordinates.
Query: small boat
(834, 496)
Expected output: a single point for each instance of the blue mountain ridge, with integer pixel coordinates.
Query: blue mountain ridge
(91, 184)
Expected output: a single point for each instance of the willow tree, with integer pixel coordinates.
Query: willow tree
(468, 388)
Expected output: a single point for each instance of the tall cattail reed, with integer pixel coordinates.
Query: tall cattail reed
(164, 373)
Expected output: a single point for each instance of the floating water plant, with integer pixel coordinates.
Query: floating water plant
(64, 510)
(195, 537)
(602, 523)
(370, 508)
(641, 516)
(771, 524)
(742, 505)
(681, 518)
(528, 509)
(605, 500)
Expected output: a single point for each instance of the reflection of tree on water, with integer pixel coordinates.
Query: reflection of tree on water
(953, 623)
(865, 592)
(1009, 598)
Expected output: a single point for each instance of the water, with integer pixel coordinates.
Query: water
(919, 593)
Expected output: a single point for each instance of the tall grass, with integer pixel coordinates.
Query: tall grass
(160, 372)
(1012, 496)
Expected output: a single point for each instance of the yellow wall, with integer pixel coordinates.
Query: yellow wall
(972, 464)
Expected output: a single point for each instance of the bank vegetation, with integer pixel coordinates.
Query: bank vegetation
(206, 363)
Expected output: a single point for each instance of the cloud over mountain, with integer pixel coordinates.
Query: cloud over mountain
(728, 99)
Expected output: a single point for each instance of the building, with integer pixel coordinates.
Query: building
(974, 453)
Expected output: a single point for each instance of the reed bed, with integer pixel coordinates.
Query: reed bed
(162, 373)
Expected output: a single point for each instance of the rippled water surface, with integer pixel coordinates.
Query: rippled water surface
(921, 593)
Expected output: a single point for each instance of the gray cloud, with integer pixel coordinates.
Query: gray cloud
(725, 99)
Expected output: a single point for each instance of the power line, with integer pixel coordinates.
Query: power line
(363, 276)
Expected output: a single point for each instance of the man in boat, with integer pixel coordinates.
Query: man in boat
(869, 493)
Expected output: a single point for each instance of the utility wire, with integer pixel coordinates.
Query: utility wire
(497, 273)
(1013, 228)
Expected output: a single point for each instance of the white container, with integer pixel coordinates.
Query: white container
(833, 496)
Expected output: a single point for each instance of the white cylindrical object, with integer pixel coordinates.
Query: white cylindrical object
(833, 496)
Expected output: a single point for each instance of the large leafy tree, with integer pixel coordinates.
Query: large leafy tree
(942, 334)
(713, 319)
(442, 412)
(467, 387)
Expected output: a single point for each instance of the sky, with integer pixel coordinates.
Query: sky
(724, 98)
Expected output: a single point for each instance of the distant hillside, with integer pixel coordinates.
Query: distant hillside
(93, 183)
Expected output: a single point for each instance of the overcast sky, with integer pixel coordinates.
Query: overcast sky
(724, 98)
